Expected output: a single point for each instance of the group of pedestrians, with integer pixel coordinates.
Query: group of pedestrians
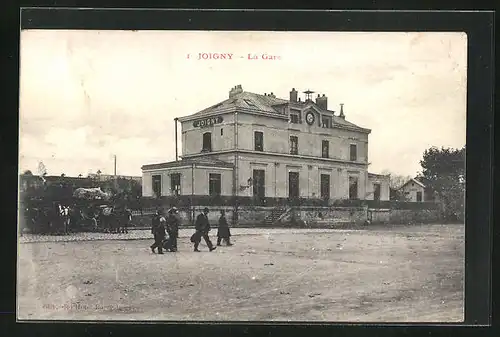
(169, 224)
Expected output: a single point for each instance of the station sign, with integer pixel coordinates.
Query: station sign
(200, 123)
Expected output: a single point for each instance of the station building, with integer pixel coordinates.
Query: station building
(260, 146)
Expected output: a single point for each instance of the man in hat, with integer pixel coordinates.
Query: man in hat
(202, 226)
(173, 222)
(158, 230)
(223, 232)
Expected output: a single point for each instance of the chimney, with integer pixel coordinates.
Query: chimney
(322, 102)
(272, 95)
(341, 115)
(293, 95)
(235, 91)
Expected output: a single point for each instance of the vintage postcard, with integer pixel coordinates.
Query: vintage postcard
(283, 176)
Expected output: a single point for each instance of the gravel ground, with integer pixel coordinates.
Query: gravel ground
(142, 234)
(392, 274)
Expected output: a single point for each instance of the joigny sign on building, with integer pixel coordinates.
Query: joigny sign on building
(200, 123)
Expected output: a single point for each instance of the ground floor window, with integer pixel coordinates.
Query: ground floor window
(376, 192)
(214, 184)
(157, 185)
(175, 183)
(325, 186)
(293, 185)
(259, 183)
(353, 188)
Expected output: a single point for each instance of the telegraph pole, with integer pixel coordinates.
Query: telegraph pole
(116, 178)
(176, 146)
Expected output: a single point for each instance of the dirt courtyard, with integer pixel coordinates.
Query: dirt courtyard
(393, 274)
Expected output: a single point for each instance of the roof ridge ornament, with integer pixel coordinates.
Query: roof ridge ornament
(341, 115)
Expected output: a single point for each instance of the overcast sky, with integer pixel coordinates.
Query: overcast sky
(87, 95)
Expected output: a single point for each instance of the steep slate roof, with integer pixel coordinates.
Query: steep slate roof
(265, 103)
(188, 162)
(246, 100)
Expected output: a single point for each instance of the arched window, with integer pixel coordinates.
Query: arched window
(207, 142)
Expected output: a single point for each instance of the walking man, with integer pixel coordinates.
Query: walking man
(223, 232)
(202, 228)
(173, 222)
(158, 230)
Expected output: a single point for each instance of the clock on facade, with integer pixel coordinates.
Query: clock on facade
(310, 118)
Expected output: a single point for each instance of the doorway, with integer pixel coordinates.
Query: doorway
(293, 185)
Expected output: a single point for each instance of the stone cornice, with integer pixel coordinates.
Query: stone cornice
(274, 154)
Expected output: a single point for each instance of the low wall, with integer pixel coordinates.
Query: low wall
(256, 215)
(308, 216)
(403, 216)
(318, 216)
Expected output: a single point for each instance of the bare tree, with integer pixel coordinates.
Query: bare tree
(396, 180)
(395, 183)
(42, 170)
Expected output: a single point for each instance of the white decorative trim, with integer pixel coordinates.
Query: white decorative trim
(295, 156)
(214, 168)
(162, 170)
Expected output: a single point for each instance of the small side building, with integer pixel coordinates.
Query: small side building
(414, 190)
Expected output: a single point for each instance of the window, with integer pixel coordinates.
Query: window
(376, 192)
(294, 145)
(353, 152)
(295, 116)
(419, 196)
(325, 186)
(175, 183)
(259, 141)
(325, 149)
(293, 185)
(214, 184)
(157, 185)
(353, 188)
(250, 103)
(259, 186)
(207, 142)
(326, 122)
(222, 132)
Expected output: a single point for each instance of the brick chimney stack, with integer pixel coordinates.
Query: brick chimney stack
(293, 95)
(322, 102)
(235, 90)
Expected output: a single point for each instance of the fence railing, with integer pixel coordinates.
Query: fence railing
(186, 202)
